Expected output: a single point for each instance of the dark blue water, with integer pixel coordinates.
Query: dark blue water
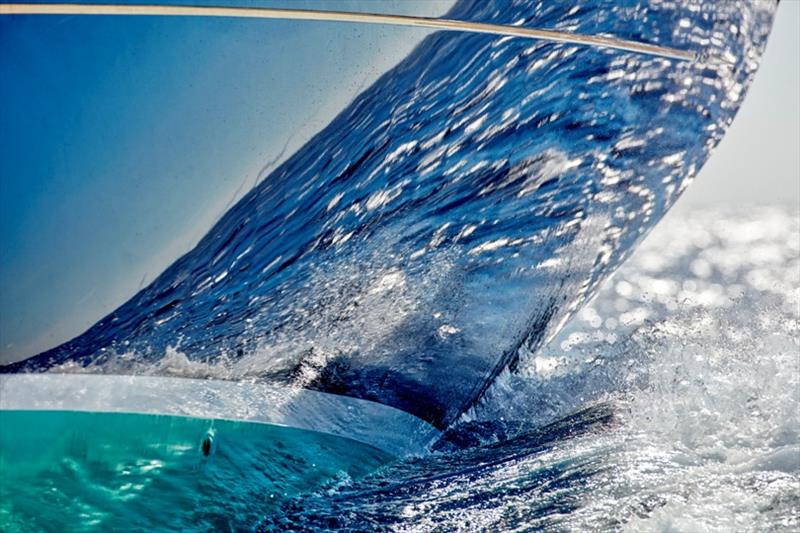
(670, 403)
(437, 233)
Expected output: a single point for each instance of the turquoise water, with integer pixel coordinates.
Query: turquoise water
(78, 471)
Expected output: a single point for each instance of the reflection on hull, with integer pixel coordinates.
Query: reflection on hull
(451, 219)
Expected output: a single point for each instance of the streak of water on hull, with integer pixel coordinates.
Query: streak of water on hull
(345, 16)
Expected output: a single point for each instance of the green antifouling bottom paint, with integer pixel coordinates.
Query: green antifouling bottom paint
(89, 471)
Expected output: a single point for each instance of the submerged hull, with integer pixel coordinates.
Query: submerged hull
(79, 471)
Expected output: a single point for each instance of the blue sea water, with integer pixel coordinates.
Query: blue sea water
(671, 403)
(424, 251)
